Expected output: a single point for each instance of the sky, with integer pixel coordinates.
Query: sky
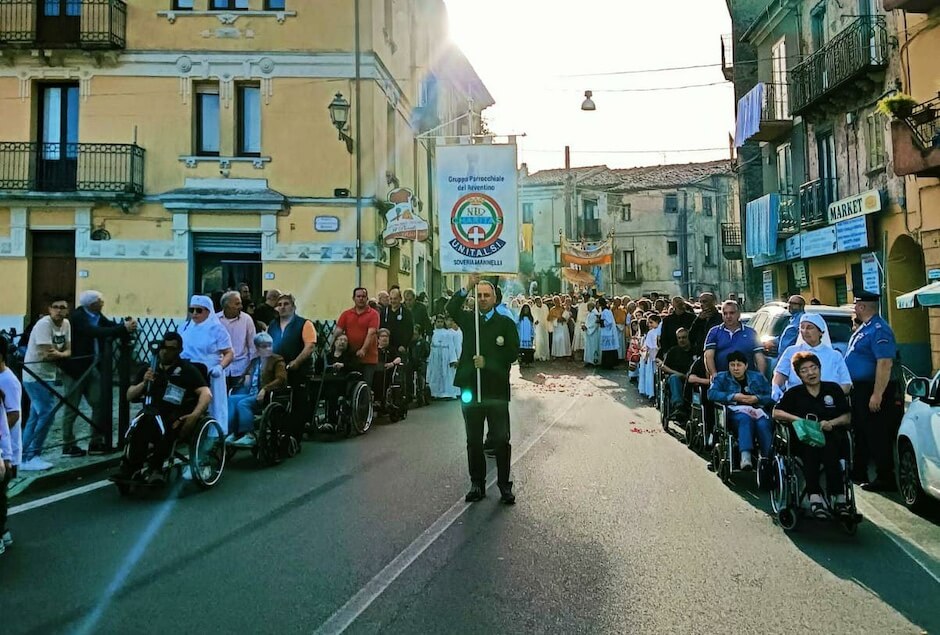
(536, 58)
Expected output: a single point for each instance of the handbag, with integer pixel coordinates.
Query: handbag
(809, 432)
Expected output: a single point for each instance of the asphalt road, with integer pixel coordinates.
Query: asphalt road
(618, 529)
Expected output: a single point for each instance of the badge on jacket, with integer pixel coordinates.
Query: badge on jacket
(500, 341)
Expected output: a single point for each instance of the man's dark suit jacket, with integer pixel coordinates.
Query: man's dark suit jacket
(494, 377)
(83, 339)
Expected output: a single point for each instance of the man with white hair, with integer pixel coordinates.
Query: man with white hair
(241, 328)
(90, 330)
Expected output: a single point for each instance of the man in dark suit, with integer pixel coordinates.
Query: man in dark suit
(90, 328)
(499, 348)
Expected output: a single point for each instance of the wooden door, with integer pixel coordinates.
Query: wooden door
(52, 270)
(57, 169)
(59, 22)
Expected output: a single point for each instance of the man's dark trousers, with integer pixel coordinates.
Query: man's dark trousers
(495, 415)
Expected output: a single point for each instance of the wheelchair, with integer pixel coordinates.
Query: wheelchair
(354, 413)
(391, 398)
(725, 454)
(698, 427)
(203, 452)
(788, 497)
(663, 398)
(273, 441)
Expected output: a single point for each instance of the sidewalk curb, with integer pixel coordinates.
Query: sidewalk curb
(61, 477)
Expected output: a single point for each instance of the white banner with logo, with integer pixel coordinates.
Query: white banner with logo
(478, 208)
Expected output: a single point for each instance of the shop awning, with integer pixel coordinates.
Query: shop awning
(925, 296)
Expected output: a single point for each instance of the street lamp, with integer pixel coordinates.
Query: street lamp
(588, 103)
(339, 115)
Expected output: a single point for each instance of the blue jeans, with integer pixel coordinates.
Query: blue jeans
(242, 408)
(42, 401)
(675, 390)
(746, 428)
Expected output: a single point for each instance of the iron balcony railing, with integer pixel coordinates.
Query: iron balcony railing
(731, 235)
(925, 122)
(81, 24)
(103, 168)
(859, 48)
(775, 105)
(815, 197)
(789, 214)
(589, 228)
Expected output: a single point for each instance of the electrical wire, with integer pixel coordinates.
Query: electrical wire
(538, 151)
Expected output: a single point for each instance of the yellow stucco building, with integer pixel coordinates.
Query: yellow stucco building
(156, 148)
(914, 236)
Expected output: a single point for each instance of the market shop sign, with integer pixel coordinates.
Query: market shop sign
(854, 206)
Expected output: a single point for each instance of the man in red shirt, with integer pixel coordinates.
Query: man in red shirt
(360, 324)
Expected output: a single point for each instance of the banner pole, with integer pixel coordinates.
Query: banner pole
(476, 323)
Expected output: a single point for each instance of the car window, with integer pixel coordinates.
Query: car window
(757, 322)
(840, 327)
(779, 324)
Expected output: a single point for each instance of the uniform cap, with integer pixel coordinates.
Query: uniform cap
(867, 296)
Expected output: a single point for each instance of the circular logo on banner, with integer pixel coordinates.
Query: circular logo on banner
(477, 221)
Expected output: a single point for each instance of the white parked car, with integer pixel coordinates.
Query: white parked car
(917, 451)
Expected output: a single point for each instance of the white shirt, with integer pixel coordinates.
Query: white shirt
(12, 402)
(45, 333)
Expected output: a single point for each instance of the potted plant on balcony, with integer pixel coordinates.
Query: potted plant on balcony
(898, 105)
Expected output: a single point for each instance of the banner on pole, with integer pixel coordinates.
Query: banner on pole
(573, 253)
(477, 208)
(402, 222)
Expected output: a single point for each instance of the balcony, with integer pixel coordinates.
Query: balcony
(731, 241)
(86, 25)
(727, 57)
(766, 110)
(815, 197)
(911, 6)
(789, 215)
(916, 141)
(90, 171)
(589, 229)
(851, 63)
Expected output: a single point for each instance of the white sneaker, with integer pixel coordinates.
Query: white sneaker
(230, 439)
(247, 441)
(747, 463)
(187, 473)
(35, 464)
(7, 539)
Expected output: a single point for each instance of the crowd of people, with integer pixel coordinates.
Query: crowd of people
(248, 350)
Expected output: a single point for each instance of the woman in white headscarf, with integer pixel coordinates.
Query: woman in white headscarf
(540, 320)
(205, 341)
(814, 337)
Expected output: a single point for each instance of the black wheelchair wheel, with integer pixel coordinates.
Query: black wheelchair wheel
(269, 432)
(359, 408)
(207, 454)
(787, 518)
(779, 494)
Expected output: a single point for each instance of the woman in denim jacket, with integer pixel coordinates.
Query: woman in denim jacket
(746, 393)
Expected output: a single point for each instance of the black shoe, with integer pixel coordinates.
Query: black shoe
(506, 497)
(475, 494)
(880, 485)
(97, 449)
(72, 452)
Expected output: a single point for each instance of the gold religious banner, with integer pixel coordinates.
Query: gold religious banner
(578, 276)
(573, 253)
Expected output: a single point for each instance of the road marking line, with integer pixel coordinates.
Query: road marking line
(881, 522)
(355, 606)
(55, 498)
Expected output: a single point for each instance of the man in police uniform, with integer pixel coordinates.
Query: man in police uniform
(875, 416)
(499, 348)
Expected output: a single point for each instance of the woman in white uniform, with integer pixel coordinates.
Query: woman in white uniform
(205, 341)
(592, 334)
(540, 317)
(814, 337)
